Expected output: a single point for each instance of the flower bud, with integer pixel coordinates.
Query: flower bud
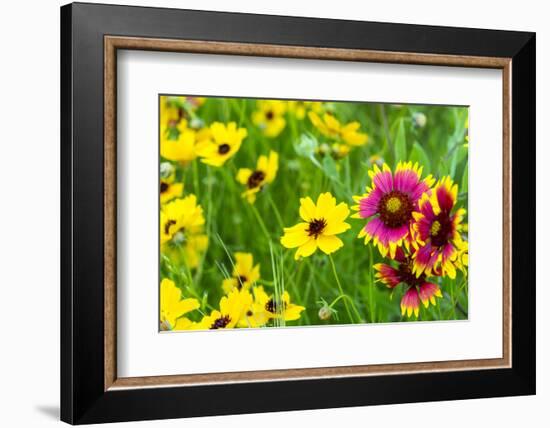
(325, 313)
(419, 119)
(166, 170)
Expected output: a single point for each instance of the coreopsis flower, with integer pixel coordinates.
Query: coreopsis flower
(300, 108)
(336, 151)
(173, 307)
(389, 205)
(179, 146)
(244, 273)
(269, 117)
(232, 309)
(180, 216)
(331, 127)
(418, 289)
(340, 151)
(269, 307)
(174, 109)
(195, 102)
(192, 247)
(256, 179)
(168, 188)
(181, 230)
(321, 223)
(172, 113)
(437, 231)
(223, 142)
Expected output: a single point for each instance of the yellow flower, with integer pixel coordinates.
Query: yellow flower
(180, 147)
(180, 216)
(330, 127)
(172, 307)
(244, 273)
(266, 307)
(171, 111)
(223, 142)
(255, 180)
(232, 309)
(322, 222)
(191, 249)
(337, 151)
(269, 117)
(300, 108)
(340, 151)
(169, 190)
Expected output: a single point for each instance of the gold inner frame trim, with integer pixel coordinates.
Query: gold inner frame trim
(113, 43)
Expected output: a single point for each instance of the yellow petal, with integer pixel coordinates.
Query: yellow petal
(295, 236)
(338, 214)
(243, 175)
(329, 244)
(184, 324)
(306, 249)
(334, 228)
(243, 265)
(307, 209)
(325, 203)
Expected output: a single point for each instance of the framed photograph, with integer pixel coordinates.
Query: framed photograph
(265, 213)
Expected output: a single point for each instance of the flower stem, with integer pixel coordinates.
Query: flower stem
(276, 211)
(260, 221)
(345, 296)
(340, 287)
(196, 178)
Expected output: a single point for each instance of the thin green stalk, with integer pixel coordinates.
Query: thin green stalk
(340, 286)
(260, 221)
(275, 210)
(345, 296)
(371, 287)
(196, 178)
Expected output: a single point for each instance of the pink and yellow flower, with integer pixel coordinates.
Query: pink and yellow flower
(418, 288)
(437, 231)
(389, 205)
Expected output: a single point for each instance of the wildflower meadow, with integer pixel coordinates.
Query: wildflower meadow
(297, 213)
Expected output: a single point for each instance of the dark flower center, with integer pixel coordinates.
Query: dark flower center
(395, 208)
(269, 115)
(316, 227)
(168, 225)
(223, 148)
(255, 179)
(221, 322)
(407, 276)
(441, 229)
(164, 187)
(182, 113)
(274, 306)
(240, 281)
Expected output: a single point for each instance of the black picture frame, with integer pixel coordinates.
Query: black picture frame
(83, 396)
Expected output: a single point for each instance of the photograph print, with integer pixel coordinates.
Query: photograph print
(283, 213)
